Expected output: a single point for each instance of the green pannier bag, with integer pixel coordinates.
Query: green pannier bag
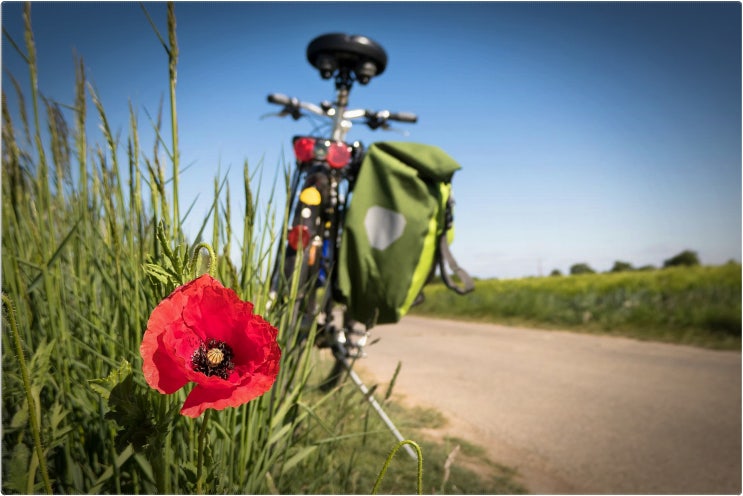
(397, 230)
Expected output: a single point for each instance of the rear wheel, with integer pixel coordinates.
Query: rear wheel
(335, 375)
(300, 267)
(306, 268)
(348, 346)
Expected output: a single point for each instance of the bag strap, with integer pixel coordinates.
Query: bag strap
(446, 258)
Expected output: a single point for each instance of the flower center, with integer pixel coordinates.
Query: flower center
(213, 357)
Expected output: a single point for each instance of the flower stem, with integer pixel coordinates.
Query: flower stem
(29, 397)
(157, 460)
(158, 453)
(389, 460)
(200, 459)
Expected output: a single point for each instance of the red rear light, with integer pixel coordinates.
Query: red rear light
(338, 155)
(297, 233)
(304, 149)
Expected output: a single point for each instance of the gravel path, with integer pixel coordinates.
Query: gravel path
(576, 413)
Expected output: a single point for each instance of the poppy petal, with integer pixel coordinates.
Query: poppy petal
(249, 344)
(202, 396)
(215, 312)
(161, 371)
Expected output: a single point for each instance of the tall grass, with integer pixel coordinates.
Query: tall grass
(690, 305)
(90, 244)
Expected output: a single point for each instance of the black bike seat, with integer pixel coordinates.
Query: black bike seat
(348, 51)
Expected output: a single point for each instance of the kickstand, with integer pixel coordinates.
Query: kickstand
(374, 403)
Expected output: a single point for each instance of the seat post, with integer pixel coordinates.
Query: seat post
(343, 84)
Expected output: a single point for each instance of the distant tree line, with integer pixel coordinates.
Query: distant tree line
(686, 258)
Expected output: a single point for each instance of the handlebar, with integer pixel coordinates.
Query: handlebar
(404, 117)
(379, 119)
(279, 99)
(293, 107)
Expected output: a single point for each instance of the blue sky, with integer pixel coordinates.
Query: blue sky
(587, 132)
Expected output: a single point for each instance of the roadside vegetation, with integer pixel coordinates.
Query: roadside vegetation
(681, 303)
(91, 243)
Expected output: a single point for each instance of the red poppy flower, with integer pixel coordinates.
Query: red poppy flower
(204, 333)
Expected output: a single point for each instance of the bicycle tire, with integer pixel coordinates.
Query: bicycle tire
(311, 212)
(307, 217)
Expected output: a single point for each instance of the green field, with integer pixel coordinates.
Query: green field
(688, 305)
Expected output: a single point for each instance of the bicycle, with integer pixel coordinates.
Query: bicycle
(326, 169)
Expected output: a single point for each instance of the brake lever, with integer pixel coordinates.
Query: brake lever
(274, 114)
(387, 127)
(293, 111)
(270, 114)
(295, 115)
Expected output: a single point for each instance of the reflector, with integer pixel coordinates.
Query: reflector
(304, 149)
(294, 236)
(310, 196)
(338, 155)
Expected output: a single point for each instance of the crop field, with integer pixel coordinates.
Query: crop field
(689, 305)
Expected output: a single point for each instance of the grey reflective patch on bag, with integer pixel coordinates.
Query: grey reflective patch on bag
(383, 226)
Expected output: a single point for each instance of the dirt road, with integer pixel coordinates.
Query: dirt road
(576, 413)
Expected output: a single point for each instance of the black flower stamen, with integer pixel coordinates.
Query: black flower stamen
(213, 357)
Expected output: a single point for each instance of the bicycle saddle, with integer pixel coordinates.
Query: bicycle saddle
(347, 53)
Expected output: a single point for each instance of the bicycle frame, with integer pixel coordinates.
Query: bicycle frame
(325, 166)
